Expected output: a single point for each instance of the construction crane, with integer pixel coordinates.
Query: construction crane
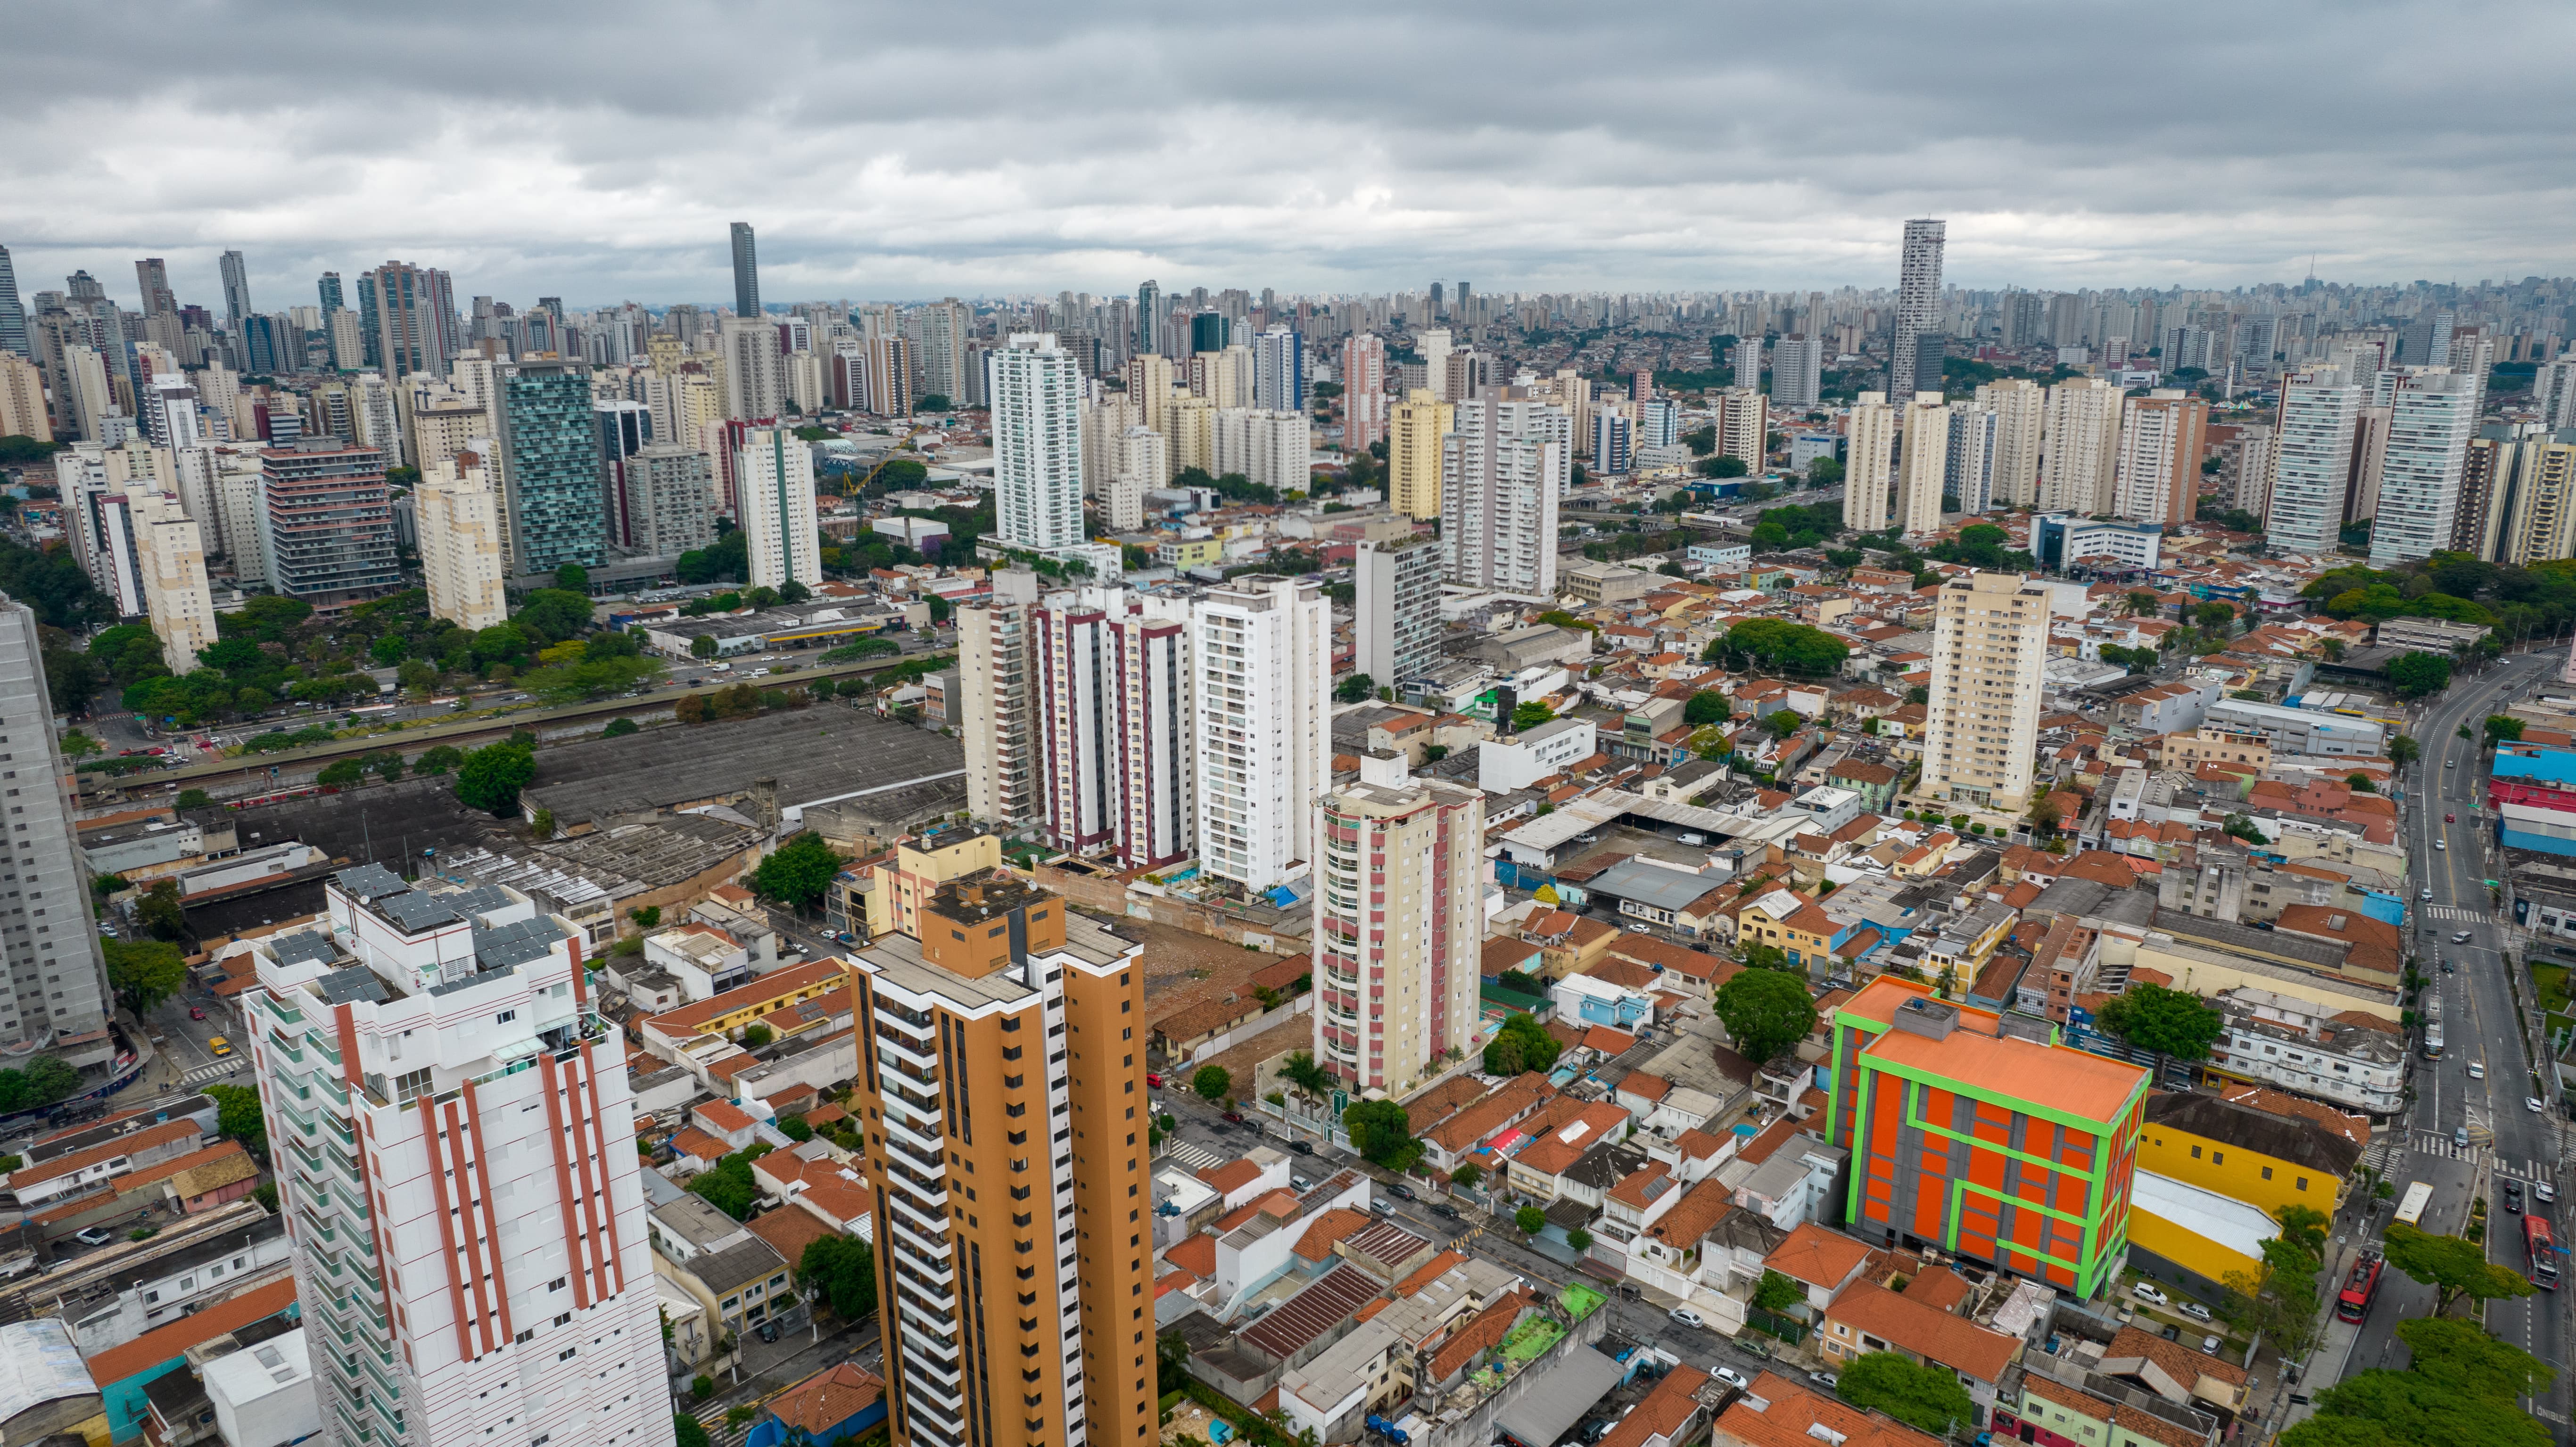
(853, 489)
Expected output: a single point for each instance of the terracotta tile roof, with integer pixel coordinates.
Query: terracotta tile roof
(1281, 1203)
(1626, 974)
(836, 1193)
(1938, 1287)
(1473, 1336)
(215, 1171)
(1227, 1178)
(1817, 1256)
(1645, 1086)
(134, 1180)
(169, 1342)
(1641, 1188)
(1924, 1330)
(777, 984)
(1608, 1041)
(827, 1399)
(691, 1141)
(1508, 1102)
(1790, 1415)
(166, 1133)
(1196, 1255)
(2179, 1362)
(2085, 1404)
(1429, 1272)
(1663, 1410)
(717, 1115)
(1700, 1208)
(1329, 1230)
(2353, 1128)
(790, 1232)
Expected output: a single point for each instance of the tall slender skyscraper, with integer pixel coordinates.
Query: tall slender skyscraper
(1149, 319)
(451, 1127)
(57, 980)
(236, 290)
(1918, 311)
(1797, 371)
(746, 272)
(409, 316)
(152, 278)
(1363, 392)
(2020, 409)
(774, 493)
(1869, 463)
(1398, 924)
(13, 312)
(1037, 443)
(550, 437)
(1263, 649)
(327, 288)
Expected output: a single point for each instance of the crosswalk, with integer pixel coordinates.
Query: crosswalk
(2452, 912)
(201, 1074)
(1197, 1158)
(2530, 1168)
(2442, 1144)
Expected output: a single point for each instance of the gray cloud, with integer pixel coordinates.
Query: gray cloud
(596, 151)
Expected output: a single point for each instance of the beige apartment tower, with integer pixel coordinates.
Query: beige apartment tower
(462, 560)
(1398, 925)
(2160, 445)
(997, 678)
(22, 399)
(2080, 450)
(1413, 434)
(1869, 471)
(1001, 1075)
(2020, 409)
(1990, 638)
(1927, 465)
(170, 563)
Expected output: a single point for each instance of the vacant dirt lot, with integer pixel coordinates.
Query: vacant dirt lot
(1185, 968)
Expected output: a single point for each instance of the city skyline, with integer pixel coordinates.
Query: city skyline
(1306, 169)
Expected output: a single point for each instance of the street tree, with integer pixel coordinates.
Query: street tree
(2453, 1267)
(1765, 1012)
(797, 872)
(2174, 1024)
(1212, 1082)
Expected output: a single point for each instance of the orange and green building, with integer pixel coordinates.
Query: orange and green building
(1982, 1135)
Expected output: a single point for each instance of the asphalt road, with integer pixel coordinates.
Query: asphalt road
(2506, 1140)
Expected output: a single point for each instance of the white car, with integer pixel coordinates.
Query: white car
(1686, 1316)
(2148, 1291)
(1734, 1378)
(2441, 844)
(2543, 1192)
(2532, 1103)
(2477, 1070)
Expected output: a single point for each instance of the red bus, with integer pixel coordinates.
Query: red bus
(2359, 1288)
(2543, 1250)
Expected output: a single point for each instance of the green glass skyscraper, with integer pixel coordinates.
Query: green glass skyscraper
(557, 512)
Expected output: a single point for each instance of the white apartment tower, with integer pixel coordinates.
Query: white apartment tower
(997, 679)
(456, 1167)
(755, 384)
(1139, 460)
(462, 561)
(57, 997)
(1926, 470)
(1396, 633)
(2020, 409)
(774, 493)
(1272, 449)
(1399, 925)
(1742, 423)
(1037, 443)
(1113, 711)
(2312, 461)
(2432, 414)
(1797, 371)
(1869, 466)
(1970, 474)
(1502, 472)
(1918, 311)
(1263, 671)
(2159, 463)
(2080, 450)
(1990, 639)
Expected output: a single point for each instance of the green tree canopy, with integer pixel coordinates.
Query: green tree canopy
(2502, 726)
(1381, 1131)
(2460, 1385)
(1530, 715)
(1212, 1082)
(2453, 1267)
(729, 1186)
(843, 1270)
(2414, 675)
(2171, 1023)
(1530, 1219)
(1765, 1012)
(1776, 1293)
(1522, 1044)
(1707, 706)
(1354, 688)
(1924, 1397)
(1781, 646)
(797, 872)
(239, 1117)
(492, 776)
(144, 972)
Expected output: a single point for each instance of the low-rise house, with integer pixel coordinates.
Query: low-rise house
(840, 1403)
(1780, 1413)
(1918, 1323)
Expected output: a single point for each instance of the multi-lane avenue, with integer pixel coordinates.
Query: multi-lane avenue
(2445, 796)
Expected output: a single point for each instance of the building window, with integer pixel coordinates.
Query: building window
(2195, 1153)
(2267, 1173)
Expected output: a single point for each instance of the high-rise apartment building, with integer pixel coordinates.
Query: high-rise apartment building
(2159, 462)
(1398, 925)
(1223, 377)
(13, 313)
(1113, 707)
(774, 495)
(170, 564)
(997, 678)
(746, 272)
(1011, 1010)
(152, 279)
(1279, 371)
(1149, 319)
(328, 293)
(1797, 371)
(2245, 470)
(1433, 346)
(551, 477)
(1396, 635)
(1413, 444)
(1927, 1094)
(453, 1135)
(1502, 472)
(1869, 462)
(1363, 392)
(1037, 443)
(2080, 447)
(1915, 352)
(462, 561)
(755, 384)
(2536, 516)
(2553, 384)
(1970, 472)
(1924, 472)
(670, 503)
(625, 428)
(22, 399)
(2312, 461)
(327, 522)
(1742, 422)
(1262, 661)
(1271, 449)
(1614, 439)
(1149, 388)
(2021, 410)
(236, 274)
(939, 332)
(57, 1000)
(409, 315)
(1990, 639)
(2432, 414)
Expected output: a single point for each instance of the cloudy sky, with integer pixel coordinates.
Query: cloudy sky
(597, 151)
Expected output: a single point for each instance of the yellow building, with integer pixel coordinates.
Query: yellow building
(906, 879)
(1413, 453)
(1190, 553)
(2264, 1160)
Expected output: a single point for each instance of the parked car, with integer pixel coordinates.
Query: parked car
(2149, 1292)
(1381, 1208)
(2543, 1192)
(196, 1012)
(1301, 1148)
(1401, 1191)
(1235, 1116)
(2209, 1346)
(94, 1236)
(2194, 1310)
(1686, 1316)
(1444, 1210)
(2532, 1103)
(1826, 1380)
(1301, 1183)
(1734, 1378)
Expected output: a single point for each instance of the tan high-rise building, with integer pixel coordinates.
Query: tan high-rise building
(1926, 469)
(170, 563)
(22, 399)
(1743, 420)
(2080, 449)
(444, 422)
(1413, 438)
(1396, 976)
(2159, 467)
(2540, 525)
(1869, 467)
(1990, 638)
(997, 678)
(1001, 1076)
(2020, 409)
(1363, 392)
(1224, 378)
(1149, 386)
(462, 560)
(1189, 424)
(755, 381)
